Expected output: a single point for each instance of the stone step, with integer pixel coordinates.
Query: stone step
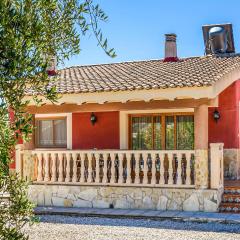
(231, 198)
(229, 207)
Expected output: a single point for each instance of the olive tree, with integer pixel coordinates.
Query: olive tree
(31, 33)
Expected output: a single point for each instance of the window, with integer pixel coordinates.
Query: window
(51, 133)
(169, 132)
(163, 131)
(141, 133)
(185, 132)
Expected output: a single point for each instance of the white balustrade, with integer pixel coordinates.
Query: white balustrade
(179, 169)
(188, 168)
(153, 179)
(137, 167)
(170, 169)
(162, 170)
(53, 167)
(105, 158)
(90, 171)
(128, 173)
(82, 157)
(39, 162)
(97, 178)
(115, 167)
(120, 168)
(112, 176)
(74, 166)
(68, 159)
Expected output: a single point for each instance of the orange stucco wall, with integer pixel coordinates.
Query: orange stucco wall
(226, 130)
(104, 134)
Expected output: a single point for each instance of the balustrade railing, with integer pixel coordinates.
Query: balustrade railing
(115, 167)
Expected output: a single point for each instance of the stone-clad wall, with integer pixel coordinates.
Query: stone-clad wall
(231, 163)
(126, 197)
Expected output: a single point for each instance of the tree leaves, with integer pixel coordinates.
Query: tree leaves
(97, 15)
(15, 208)
(31, 33)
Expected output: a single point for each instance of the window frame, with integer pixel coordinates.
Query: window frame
(163, 124)
(37, 132)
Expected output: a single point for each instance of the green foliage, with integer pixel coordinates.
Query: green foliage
(31, 33)
(15, 208)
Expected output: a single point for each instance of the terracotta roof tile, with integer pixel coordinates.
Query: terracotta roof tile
(152, 74)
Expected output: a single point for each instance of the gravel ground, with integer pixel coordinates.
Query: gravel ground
(89, 228)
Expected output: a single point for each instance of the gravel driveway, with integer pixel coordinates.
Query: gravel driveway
(78, 228)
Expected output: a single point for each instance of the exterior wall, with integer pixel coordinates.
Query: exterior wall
(104, 134)
(126, 197)
(226, 130)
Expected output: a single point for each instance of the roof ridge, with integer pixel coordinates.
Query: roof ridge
(133, 61)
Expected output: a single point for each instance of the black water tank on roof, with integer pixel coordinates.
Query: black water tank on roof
(218, 38)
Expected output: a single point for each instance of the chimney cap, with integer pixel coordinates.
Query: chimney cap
(171, 37)
(170, 48)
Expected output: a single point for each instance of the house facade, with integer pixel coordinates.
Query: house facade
(158, 134)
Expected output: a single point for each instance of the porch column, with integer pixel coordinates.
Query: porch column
(18, 158)
(201, 146)
(31, 143)
(216, 176)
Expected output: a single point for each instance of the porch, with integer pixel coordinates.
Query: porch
(139, 155)
(144, 179)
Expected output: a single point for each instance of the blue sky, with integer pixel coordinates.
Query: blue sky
(136, 28)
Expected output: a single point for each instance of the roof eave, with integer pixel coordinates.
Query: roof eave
(136, 95)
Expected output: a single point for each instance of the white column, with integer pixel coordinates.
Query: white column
(201, 169)
(216, 155)
(18, 159)
(201, 127)
(69, 131)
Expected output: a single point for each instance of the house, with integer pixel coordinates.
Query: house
(157, 134)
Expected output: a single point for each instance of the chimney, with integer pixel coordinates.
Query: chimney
(52, 68)
(170, 48)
